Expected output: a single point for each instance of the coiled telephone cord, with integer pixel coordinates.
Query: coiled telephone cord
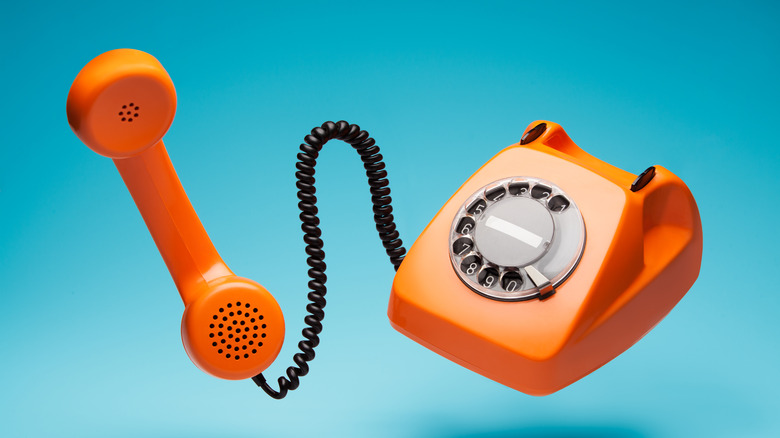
(380, 196)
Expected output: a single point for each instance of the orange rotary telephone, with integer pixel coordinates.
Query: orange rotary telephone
(546, 264)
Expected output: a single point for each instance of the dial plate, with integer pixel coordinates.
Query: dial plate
(511, 225)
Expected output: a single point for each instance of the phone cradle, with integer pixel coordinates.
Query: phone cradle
(547, 263)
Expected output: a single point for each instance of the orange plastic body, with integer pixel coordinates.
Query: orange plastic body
(642, 254)
(120, 105)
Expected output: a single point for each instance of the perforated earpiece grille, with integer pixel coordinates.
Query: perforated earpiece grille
(129, 112)
(237, 330)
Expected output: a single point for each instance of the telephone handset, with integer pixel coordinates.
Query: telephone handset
(545, 265)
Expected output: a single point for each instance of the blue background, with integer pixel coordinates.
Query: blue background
(90, 318)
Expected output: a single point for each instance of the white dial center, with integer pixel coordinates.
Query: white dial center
(514, 231)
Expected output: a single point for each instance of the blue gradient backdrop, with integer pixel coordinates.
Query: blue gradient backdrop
(90, 318)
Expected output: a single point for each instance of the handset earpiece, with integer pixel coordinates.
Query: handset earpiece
(120, 105)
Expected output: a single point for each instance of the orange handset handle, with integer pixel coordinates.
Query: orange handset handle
(180, 237)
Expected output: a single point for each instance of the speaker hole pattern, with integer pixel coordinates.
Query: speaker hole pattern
(237, 330)
(129, 112)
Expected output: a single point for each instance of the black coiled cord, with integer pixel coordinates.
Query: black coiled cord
(380, 196)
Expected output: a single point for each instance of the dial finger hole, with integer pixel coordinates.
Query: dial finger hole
(471, 264)
(462, 246)
(488, 277)
(541, 191)
(558, 203)
(496, 193)
(477, 207)
(518, 188)
(511, 281)
(465, 225)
